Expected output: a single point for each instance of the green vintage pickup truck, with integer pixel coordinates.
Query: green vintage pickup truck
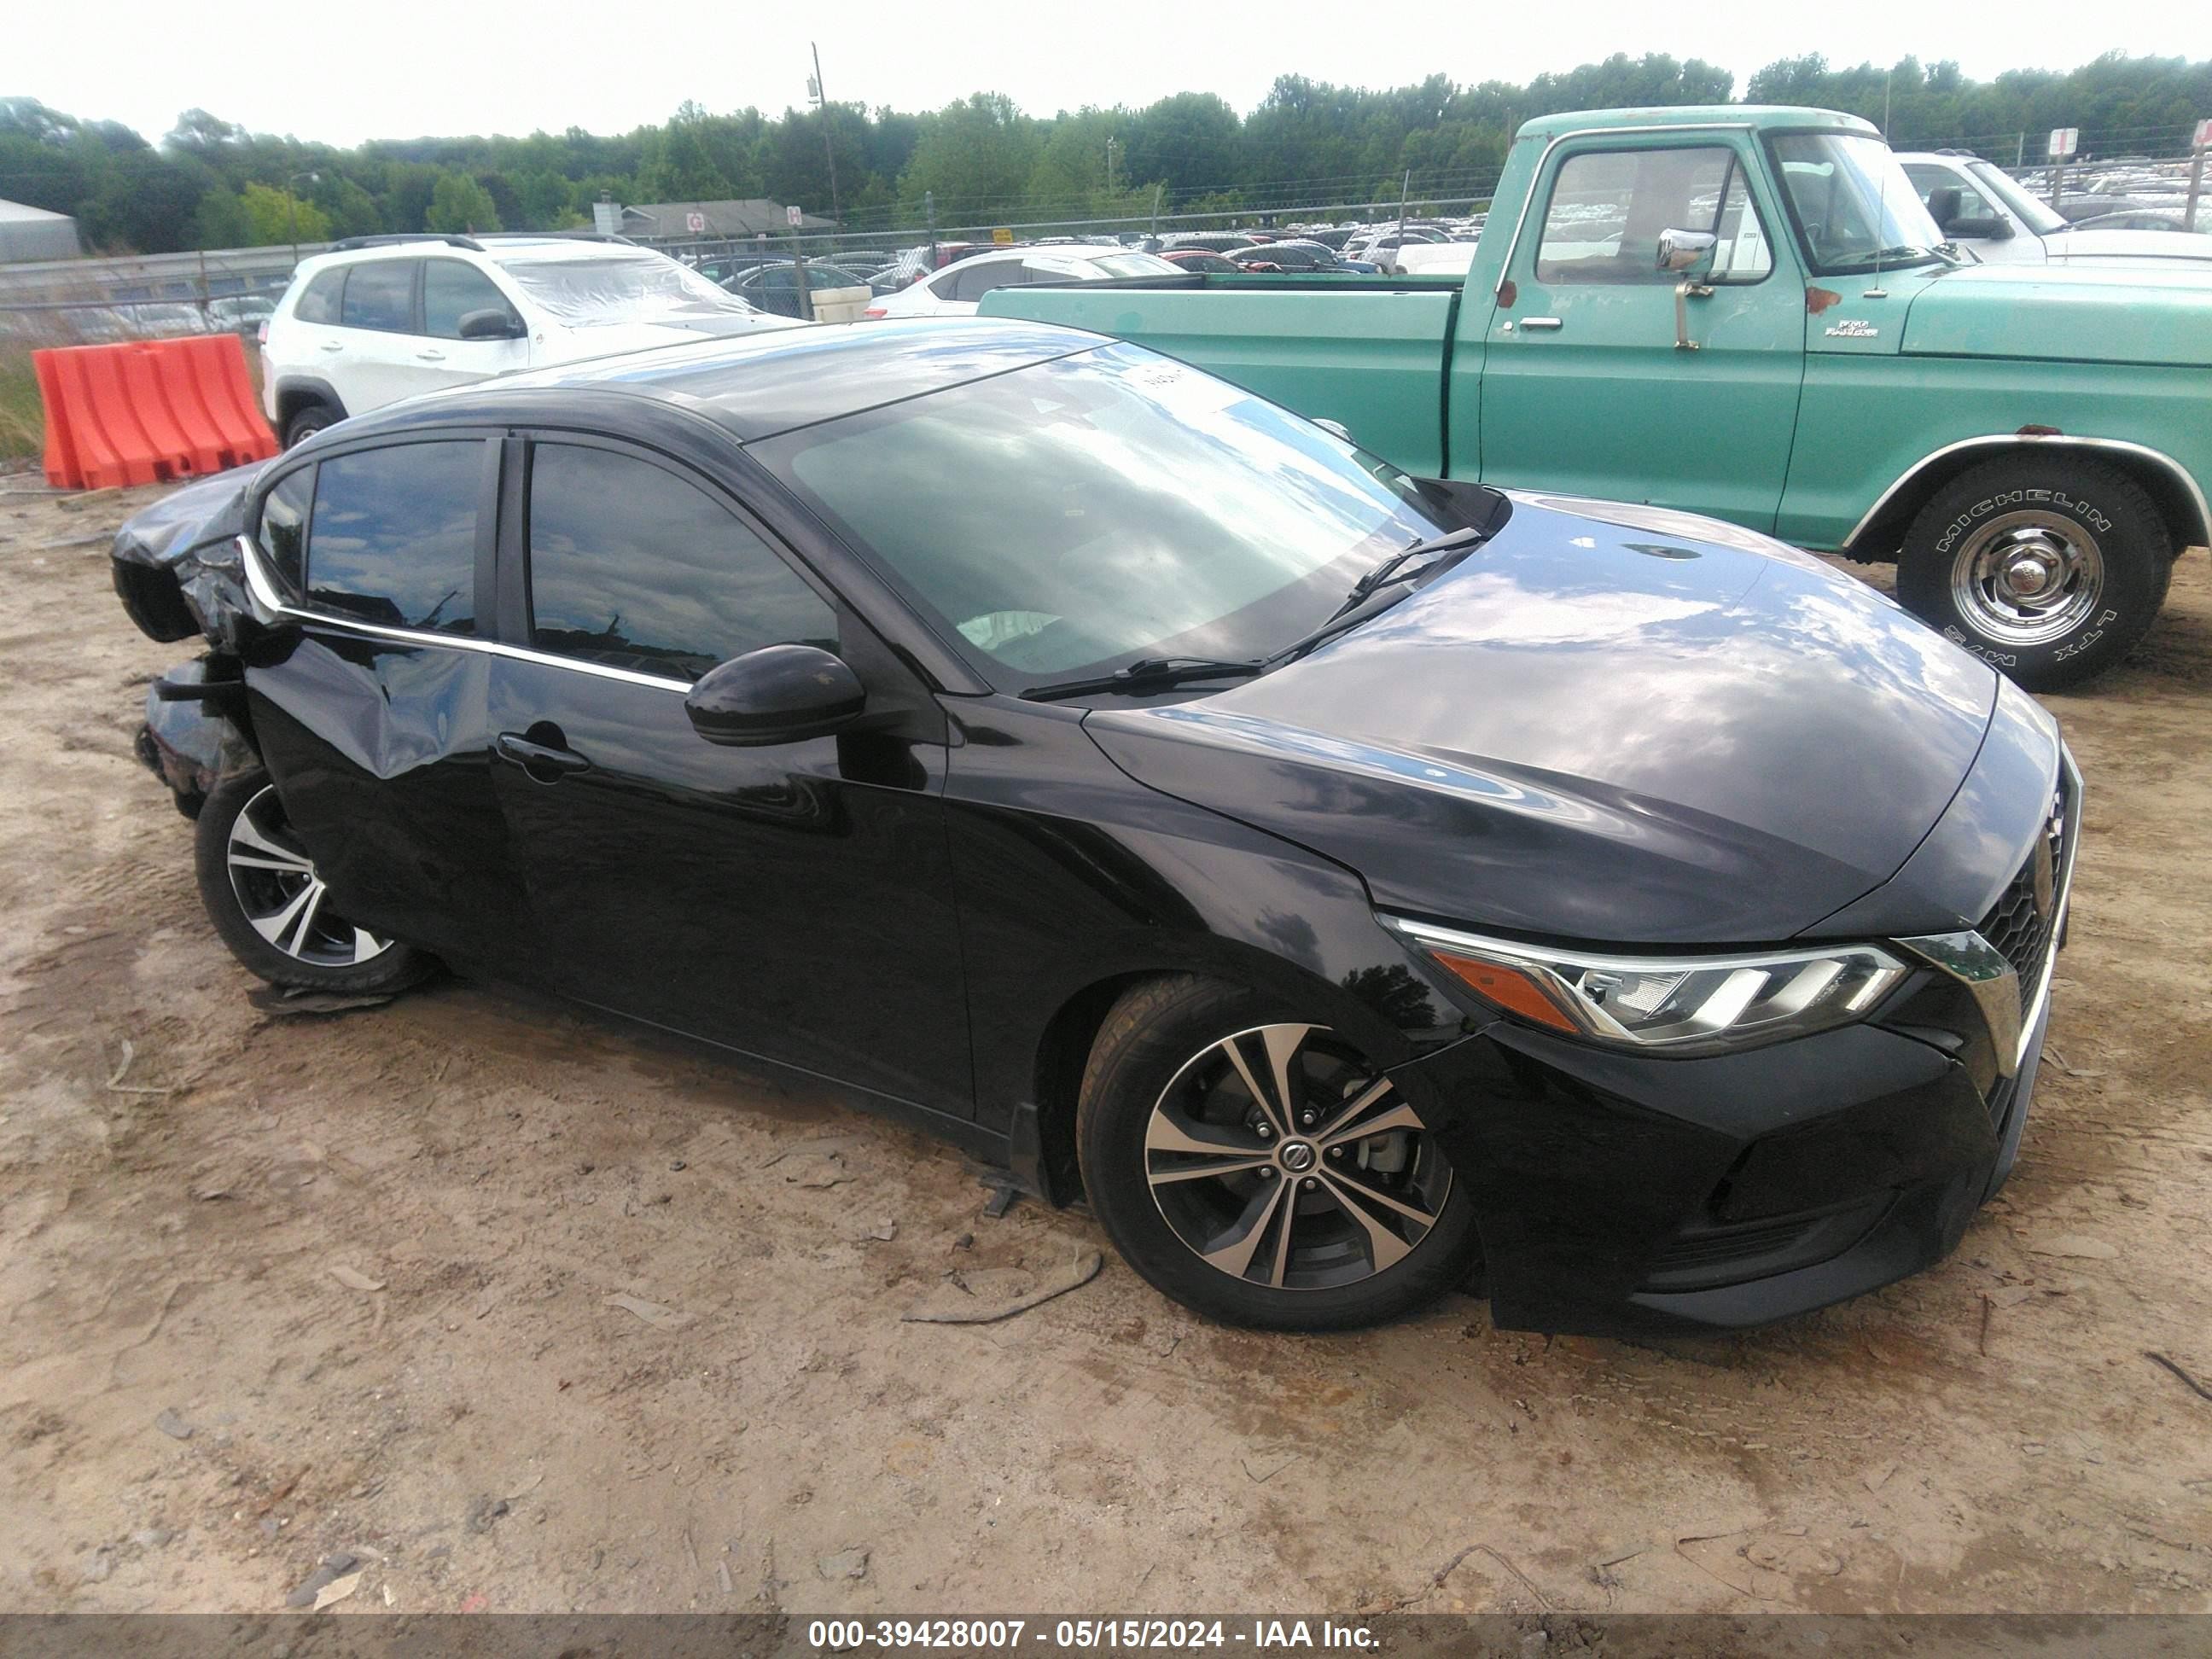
(1746, 312)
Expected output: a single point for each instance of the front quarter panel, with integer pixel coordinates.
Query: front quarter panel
(1072, 875)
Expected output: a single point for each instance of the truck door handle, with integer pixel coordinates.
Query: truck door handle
(543, 762)
(1543, 322)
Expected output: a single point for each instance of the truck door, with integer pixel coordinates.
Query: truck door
(1604, 375)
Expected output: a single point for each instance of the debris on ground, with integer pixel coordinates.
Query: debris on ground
(1078, 1272)
(333, 1568)
(116, 1086)
(172, 1424)
(484, 1510)
(352, 1278)
(660, 1318)
(286, 1003)
(846, 1563)
(2074, 1244)
(884, 1230)
(2190, 1383)
(1000, 1200)
(337, 1590)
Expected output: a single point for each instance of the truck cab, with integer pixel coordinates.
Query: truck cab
(1747, 312)
(1986, 211)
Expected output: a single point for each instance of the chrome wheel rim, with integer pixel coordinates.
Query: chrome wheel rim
(282, 898)
(2028, 578)
(1278, 1157)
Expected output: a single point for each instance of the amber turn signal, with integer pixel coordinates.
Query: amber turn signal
(1511, 989)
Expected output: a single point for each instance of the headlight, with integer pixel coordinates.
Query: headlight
(1676, 1005)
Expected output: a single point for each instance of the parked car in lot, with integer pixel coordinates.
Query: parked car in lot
(1977, 206)
(387, 317)
(774, 288)
(1197, 258)
(1340, 878)
(1746, 312)
(2160, 221)
(955, 290)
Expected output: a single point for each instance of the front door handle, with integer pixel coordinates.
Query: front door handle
(1543, 322)
(546, 762)
(433, 355)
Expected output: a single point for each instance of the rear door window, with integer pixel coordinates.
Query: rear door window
(319, 303)
(976, 280)
(393, 538)
(284, 528)
(380, 295)
(633, 568)
(450, 290)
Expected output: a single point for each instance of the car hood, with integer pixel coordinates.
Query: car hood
(1597, 726)
(2137, 313)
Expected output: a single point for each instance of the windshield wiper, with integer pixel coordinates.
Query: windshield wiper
(1393, 569)
(1147, 674)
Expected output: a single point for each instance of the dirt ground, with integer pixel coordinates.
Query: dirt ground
(280, 1287)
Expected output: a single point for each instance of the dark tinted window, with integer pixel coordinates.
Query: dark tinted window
(380, 295)
(450, 291)
(979, 280)
(393, 540)
(285, 527)
(320, 303)
(632, 566)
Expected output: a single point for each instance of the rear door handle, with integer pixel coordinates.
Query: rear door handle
(543, 762)
(1543, 322)
(433, 355)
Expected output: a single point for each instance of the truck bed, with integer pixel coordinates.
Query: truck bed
(1300, 340)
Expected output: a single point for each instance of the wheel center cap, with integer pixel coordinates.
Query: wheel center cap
(1295, 1156)
(2027, 576)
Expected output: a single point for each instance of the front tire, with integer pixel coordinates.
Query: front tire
(2048, 568)
(1260, 1169)
(270, 905)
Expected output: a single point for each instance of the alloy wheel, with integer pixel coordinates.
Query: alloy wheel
(280, 895)
(2027, 578)
(1279, 1157)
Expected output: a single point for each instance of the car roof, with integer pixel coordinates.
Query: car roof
(757, 385)
(1765, 117)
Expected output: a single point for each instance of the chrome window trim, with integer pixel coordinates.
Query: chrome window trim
(1536, 178)
(269, 598)
(2181, 474)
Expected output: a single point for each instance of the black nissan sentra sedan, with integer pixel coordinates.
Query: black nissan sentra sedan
(1353, 885)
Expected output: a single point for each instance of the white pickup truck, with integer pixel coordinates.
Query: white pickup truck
(1978, 206)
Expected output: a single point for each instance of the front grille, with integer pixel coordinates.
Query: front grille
(2020, 925)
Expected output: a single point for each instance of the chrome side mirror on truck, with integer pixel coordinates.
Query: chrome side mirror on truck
(1685, 249)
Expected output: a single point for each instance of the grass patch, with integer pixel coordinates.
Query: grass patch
(22, 417)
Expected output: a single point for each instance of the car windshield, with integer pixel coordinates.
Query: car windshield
(2039, 217)
(620, 287)
(1854, 204)
(1075, 515)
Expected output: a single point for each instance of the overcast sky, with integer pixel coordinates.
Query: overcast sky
(398, 69)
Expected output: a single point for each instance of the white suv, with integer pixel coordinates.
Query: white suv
(387, 317)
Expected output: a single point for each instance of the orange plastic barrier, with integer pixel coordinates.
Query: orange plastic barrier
(148, 409)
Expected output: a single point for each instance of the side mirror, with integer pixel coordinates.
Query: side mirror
(1685, 249)
(779, 694)
(492, 323)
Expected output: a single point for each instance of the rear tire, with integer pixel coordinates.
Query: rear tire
(2049, 568)
(268, 904)
(1330, 1210)
(308, 421)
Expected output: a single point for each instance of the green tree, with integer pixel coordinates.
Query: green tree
(221, 220)
(274, 216)
(976, 156)
(458, 203)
